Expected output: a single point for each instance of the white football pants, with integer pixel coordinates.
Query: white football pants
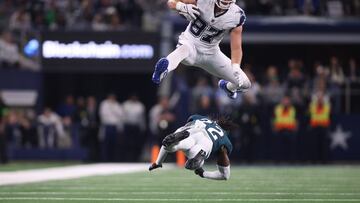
(192, 145)
(214, 61)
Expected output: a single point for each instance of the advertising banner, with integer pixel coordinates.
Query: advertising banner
(99, 51)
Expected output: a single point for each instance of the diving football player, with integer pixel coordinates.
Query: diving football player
(198, 45)
(198, 139)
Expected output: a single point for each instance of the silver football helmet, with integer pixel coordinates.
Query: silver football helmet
(224, 4)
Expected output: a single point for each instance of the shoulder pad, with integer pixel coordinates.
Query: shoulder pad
(242, 18)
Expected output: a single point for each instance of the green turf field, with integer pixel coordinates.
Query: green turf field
(247, 184)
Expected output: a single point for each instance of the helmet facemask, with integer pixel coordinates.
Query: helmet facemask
(224, 4)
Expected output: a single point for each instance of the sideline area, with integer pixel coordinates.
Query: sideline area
(69, 172)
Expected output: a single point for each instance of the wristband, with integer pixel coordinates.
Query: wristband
(236, 65)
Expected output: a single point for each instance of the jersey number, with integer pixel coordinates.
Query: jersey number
(199, 28)
(213, 130)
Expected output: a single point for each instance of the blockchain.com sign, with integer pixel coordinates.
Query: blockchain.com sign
(99, 51)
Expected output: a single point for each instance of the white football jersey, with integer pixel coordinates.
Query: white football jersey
(207, 31)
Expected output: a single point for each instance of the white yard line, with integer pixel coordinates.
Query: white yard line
(170, 200)
(181, 193)
(68, 172)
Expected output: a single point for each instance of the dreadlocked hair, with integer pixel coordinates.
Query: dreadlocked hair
(225, 122)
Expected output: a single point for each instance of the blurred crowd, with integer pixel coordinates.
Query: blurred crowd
(288, 112)
(109, 130)
(331, 8)
(11, 55)
(22, 20)
(281, 105)
(81, 122)
(101, 15)
(287, 107)
(270, 86)
(291, 98)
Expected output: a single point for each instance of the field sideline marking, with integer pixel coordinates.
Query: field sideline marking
(183, 200)
(146, 188)
(180, 193)
(69, 172)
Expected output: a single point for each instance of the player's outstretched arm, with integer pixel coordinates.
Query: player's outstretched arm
(223, 164)
(236, 45)
(236, 57)
(160, 159)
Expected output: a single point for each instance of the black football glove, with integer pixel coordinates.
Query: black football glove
(154, 166)
(199, 172)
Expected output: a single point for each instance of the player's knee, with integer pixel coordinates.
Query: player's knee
(169, 149)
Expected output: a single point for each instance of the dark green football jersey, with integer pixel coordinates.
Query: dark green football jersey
(218, 135)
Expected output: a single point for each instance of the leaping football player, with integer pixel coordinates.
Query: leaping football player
(198, 46)
(198, 139)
